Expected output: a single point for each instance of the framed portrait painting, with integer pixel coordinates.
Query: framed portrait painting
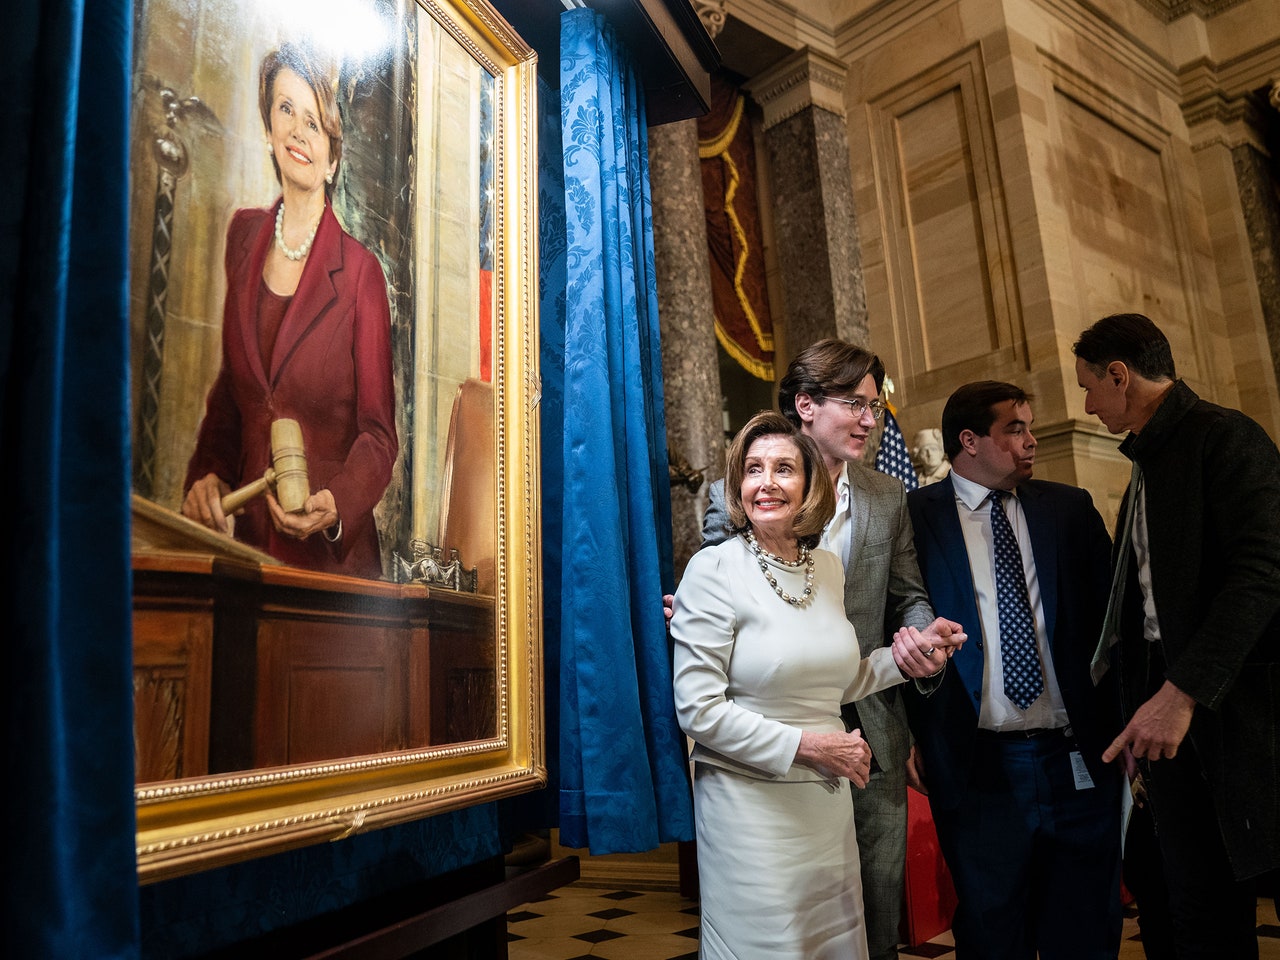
(334, 343)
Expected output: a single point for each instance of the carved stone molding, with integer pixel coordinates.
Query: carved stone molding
(805, 79)
(1218, 120)
(1171, 10)
(711, 13)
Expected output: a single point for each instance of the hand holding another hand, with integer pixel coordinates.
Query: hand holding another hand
(924, 653)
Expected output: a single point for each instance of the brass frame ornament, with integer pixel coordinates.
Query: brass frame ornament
(199, 823)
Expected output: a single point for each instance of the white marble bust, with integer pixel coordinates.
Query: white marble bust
(927, 457)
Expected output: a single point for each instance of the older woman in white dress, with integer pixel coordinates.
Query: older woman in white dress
(764, 656)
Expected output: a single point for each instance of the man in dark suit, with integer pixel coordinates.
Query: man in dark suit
(831, 392)
(1198, 657)
(1010, 745)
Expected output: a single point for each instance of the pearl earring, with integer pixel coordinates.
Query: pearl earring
(269, 147)
(328, 178)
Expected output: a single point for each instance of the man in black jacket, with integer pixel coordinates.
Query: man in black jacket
(1196, 630)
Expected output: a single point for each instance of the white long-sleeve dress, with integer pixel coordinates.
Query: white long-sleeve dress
(777, 852)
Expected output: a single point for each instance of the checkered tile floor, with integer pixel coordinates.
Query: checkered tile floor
(580, 921)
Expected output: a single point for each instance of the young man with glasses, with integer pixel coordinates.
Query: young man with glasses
(831, 391)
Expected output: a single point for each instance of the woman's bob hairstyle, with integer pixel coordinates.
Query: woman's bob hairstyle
(819, 495)
(298, 58)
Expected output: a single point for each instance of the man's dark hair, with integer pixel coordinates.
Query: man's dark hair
(1132, 339)
(829, 366)
(972, 407)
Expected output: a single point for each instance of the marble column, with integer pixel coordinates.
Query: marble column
(1262, 218)
(815, 226)
(1229, 137)
(1262, 221)
(690, 368)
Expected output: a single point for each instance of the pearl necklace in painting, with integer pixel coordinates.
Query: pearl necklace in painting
(306, 244)
(763, 557)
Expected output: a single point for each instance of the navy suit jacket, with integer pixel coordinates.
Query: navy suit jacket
(1072, 554)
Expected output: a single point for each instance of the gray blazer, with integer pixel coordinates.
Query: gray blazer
(883, 590)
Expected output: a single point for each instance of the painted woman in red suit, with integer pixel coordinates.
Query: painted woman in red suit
(306, 335)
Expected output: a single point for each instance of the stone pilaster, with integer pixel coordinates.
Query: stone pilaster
(815, 225)
(691, 374)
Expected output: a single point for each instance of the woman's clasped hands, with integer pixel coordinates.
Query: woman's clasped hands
(836, 755)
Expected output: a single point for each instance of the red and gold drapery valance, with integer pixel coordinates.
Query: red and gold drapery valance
(740, 298)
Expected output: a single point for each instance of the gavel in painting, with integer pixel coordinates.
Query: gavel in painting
(286, 477)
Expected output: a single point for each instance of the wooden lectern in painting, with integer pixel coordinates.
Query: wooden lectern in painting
(242, 663)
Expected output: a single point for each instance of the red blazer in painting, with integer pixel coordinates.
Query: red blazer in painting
(330, 371)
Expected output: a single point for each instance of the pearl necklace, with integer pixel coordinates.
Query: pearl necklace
(306, 244)
(763, 557)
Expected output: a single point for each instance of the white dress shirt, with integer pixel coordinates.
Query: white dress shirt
(973, 505)
(1142, 552)
(838, 535)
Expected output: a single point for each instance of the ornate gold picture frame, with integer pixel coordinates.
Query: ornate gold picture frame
(286, 697)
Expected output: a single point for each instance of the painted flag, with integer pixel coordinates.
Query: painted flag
(893, 457)
(486, 234)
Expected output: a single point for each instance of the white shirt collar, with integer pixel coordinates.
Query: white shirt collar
(838, 533)
(971, 493)
(842, 484)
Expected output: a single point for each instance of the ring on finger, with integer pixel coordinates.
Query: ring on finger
(929, 652)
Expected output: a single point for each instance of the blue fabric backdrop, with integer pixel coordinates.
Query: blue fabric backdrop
(623, 776)
(70, 876)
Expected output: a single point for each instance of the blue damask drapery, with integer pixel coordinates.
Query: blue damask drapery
(623, 776)
(70, 882)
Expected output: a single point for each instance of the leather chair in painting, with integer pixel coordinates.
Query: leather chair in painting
(468, 496)
(463, 668)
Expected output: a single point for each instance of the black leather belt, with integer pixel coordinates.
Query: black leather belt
(1030, 734)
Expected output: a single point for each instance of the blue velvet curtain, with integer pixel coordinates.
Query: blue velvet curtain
(623, 776)
(70, 882)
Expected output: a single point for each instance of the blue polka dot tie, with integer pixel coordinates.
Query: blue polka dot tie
(1020, 660)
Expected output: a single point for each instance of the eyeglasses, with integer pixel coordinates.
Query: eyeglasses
(860, 406)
